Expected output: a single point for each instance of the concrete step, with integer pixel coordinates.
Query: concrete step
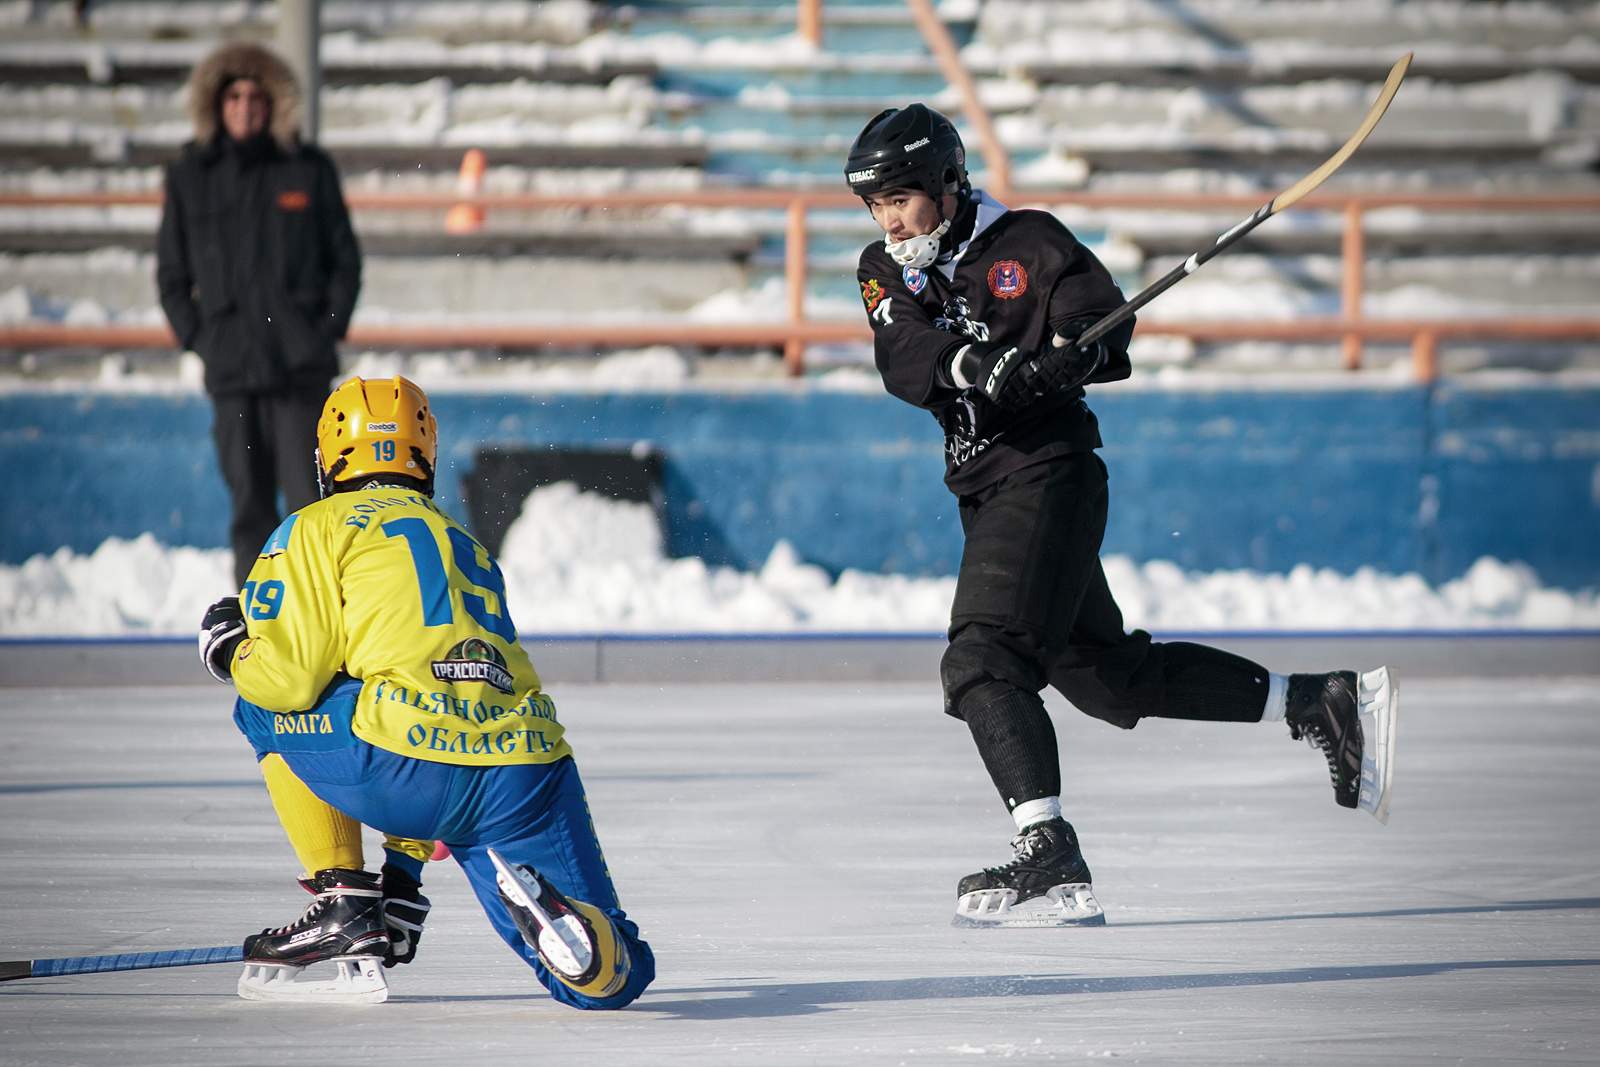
(427, 237)
(846, 28)
(564, 23)
(435, 109)
(346, 60)
(503, 278)
(1222, 41)
(81, 147)
(1547, 106)
(1389, 232)
(576, 282)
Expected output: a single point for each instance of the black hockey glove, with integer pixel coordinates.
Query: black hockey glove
(405, 909)
(220, 633)
(1067, 366)
(1003, 373)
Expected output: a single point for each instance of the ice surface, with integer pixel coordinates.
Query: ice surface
(791, 853)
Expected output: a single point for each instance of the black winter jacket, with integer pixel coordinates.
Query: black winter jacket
(257, 265)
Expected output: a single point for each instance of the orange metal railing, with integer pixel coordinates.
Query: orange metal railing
(937, 37)
(808, 21)
(1424, 335)
(797, 331)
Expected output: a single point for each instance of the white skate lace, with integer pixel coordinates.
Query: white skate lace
(1313, 735)
(1024, 846)
(313, 910)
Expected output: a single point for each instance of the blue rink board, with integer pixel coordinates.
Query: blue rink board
(1402, 479)
(584, 658)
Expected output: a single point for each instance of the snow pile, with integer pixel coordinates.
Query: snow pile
(123, 587)
(1159, 595)
(579, 563)
(589, 563)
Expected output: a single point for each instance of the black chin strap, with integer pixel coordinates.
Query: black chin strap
(328, 480)
(960, 231)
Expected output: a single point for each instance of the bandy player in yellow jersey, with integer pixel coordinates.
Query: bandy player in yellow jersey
(381, 682)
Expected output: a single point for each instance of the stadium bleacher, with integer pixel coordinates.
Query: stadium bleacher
(1211, 96)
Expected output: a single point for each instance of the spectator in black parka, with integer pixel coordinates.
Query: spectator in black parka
(258, 270)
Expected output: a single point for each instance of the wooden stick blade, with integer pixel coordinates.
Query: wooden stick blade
(1300, 188)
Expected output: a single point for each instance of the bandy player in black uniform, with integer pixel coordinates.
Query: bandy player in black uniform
(975, 309)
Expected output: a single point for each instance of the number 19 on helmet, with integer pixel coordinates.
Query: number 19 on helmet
(376, 429)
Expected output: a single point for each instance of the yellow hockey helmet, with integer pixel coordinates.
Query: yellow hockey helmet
(371, 427)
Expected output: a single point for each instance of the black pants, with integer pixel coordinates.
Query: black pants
(1032, 608)
(266, 442)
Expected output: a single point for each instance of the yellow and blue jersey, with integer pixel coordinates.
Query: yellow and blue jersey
(381, 586)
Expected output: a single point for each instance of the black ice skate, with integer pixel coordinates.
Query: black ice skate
(1048, 884)
(343, 926)
(576, 942)
(1351, 718)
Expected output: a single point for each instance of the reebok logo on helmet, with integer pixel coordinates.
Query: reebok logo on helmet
(383, 427)
(913, 148)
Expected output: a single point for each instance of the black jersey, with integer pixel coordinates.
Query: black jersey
(1018, 280)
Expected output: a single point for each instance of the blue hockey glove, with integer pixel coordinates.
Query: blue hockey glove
(221, 631)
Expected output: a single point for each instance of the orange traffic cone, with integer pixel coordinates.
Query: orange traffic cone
(468, 218)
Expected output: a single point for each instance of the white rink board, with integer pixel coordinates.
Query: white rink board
(791, 853)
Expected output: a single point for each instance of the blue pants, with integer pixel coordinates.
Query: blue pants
(530, 813)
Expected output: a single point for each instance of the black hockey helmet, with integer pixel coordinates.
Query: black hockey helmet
(913, 147)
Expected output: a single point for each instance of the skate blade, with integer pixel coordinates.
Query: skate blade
(563, 942)
(1069, 904)
(1378, 704)
(356, 980)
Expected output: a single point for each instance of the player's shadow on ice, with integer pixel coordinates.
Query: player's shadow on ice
(1559, 904)
(741, 1001)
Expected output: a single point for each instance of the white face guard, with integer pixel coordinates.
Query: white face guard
(917, 251)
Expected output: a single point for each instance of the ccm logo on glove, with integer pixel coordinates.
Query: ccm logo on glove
(999, 371)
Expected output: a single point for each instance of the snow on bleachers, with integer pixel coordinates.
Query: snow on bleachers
(1518, 115)
(553, 21)
(1255, 40)
(1233, 96)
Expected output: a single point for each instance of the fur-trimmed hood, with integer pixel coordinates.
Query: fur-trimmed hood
(243, 60)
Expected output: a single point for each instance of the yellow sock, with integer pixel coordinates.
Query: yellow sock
(322, 836)
(409, 846)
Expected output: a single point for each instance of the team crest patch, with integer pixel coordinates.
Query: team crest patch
(915, 280)
(1007, 279)
(872, 293)
(474, 660)
(278, 543)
